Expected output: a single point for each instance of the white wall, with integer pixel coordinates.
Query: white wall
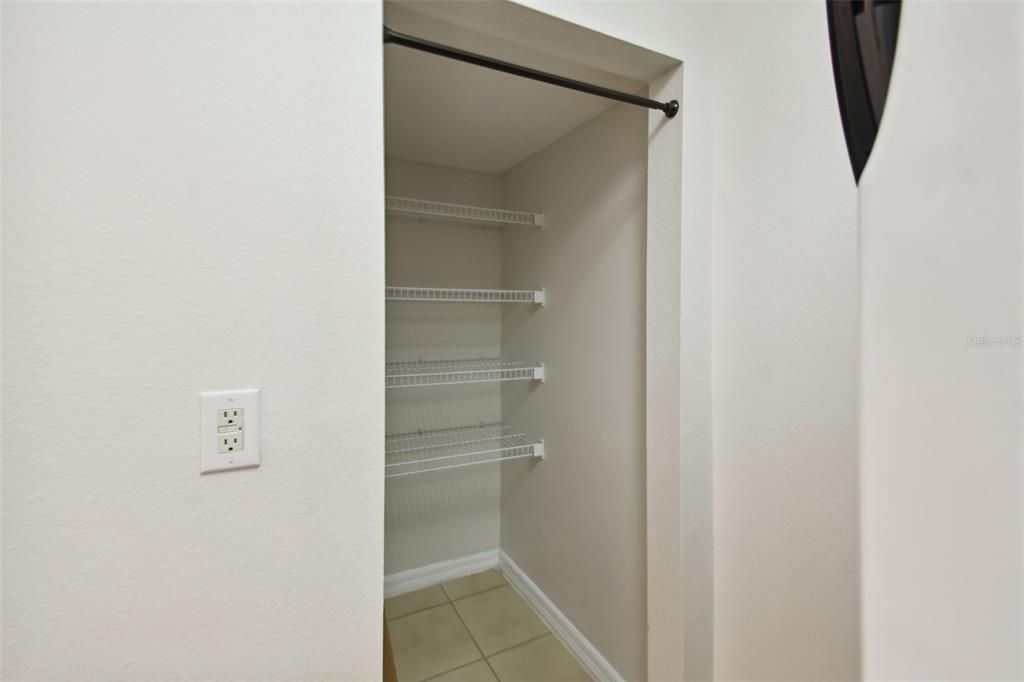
(941, 220)
(192, 202)
(450, 514)
(685, 31)
(785, 358)
(320, 184)
(575, 522)
(785, 335)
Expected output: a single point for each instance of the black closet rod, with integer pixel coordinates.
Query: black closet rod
(670, 108)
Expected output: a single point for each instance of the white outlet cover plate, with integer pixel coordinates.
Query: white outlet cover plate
(211, 403)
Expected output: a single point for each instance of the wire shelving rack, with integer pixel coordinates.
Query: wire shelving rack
(444, 372)
(417, 453)
(439, 295)
(474, 214)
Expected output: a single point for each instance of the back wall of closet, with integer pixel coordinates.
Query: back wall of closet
(449, 514)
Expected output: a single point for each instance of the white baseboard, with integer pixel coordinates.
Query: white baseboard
(596, 665)
(443, 571)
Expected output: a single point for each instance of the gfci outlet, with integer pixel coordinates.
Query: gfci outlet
(230, 429)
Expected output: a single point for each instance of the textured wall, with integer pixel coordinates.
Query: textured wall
(941, 221)
(785, 362)
(192, 202)
(134, 195)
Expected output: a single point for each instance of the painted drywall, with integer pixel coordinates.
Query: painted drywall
(681, 634)
(785, 352)
(192, 202)
(677, 514)
(633, 39)
(681, 29)
(577, 46)
(450, 514)
(462, 121)
(941, 216)
(584, 505)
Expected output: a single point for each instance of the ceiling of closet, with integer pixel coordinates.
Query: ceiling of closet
(447, 113)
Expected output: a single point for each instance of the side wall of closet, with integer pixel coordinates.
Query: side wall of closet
(575, 523)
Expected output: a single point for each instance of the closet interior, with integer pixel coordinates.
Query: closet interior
(515, 303)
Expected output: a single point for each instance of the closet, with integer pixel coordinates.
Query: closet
(515, 307)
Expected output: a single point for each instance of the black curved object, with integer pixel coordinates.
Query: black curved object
(863, 38)
(670, 108)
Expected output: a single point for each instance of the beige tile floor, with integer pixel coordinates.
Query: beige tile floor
(474, 629)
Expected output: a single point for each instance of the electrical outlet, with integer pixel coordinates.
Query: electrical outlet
(230, 441)
(230, 430)
(233, 418)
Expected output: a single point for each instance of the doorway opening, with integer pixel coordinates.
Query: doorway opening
(533, 448)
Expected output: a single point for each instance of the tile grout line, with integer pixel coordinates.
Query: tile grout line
(516, 646)
(448, 600)
(451, 602)
(491, 668)
(489, 589)
(485, 659)
(479, 650)
(473, 639)
(445, 672)
(413, 613)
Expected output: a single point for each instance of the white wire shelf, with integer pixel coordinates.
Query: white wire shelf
(535, 296)
(417, 453)
(474, 214)
(443, 372)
